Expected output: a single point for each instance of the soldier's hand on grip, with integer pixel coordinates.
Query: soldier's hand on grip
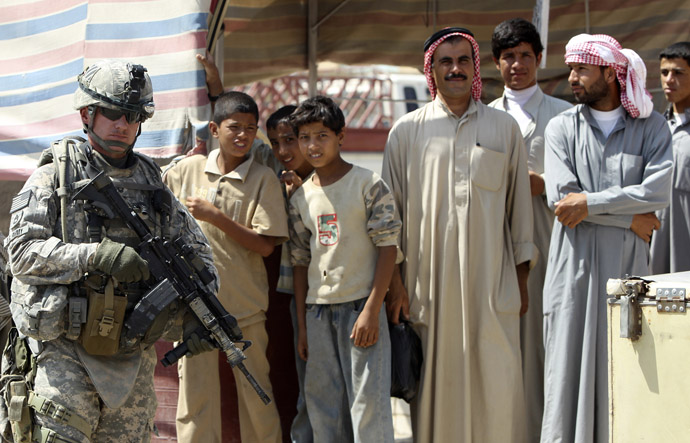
(120, 261)
(196, 343)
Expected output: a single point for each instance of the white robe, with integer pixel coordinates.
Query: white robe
(462, 188)
(541, 108)
(628, 173)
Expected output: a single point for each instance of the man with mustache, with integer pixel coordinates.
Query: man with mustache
(671, 242)
(517, 52)
(608, 164)
(458, 172)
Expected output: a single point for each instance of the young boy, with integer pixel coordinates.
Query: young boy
(343, 232)
(240, 208)
(296, 168)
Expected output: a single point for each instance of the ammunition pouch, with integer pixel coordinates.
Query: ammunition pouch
(106, 312)
(18, 411)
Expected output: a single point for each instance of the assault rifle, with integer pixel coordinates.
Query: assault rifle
(178, 273)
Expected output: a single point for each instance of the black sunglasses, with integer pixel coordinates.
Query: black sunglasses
(116, 114)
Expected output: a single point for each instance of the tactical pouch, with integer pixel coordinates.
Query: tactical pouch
(39, 311)
(18, 371)
(101, 334)
(18, 412)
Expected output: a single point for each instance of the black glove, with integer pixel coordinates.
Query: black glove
(120, 261)
(196, 344)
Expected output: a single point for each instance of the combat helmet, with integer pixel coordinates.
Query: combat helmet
(116, 85)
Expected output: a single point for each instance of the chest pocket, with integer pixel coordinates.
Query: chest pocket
(487, 168)
(631, 169)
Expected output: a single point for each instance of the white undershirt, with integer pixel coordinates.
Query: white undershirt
(607, 119)
(515, 100)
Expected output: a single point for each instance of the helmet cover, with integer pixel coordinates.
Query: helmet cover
(116, 85)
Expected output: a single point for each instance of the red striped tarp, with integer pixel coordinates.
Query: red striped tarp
(45, 44)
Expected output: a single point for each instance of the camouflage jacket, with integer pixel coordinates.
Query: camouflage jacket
(42, 264)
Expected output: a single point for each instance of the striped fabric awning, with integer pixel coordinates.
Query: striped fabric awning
(45, 44)
(269, 38)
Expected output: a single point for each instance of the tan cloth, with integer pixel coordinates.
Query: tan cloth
(251, 196)
(462, 188)
(198, 411)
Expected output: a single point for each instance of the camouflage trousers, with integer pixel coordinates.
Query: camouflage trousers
(62, 378)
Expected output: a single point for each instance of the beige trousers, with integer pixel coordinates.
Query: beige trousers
(198, 418)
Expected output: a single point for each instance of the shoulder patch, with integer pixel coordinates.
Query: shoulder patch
(21, 201)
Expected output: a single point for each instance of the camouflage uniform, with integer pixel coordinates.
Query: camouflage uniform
(117, 397)
(113, 394)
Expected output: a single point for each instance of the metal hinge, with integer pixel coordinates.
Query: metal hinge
(670, 300)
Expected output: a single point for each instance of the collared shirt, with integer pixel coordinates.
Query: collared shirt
(251, 196)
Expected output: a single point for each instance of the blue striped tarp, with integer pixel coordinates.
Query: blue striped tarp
(45, 44)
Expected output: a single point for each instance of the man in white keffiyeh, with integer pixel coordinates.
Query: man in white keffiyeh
(629, 69)
(608, 166)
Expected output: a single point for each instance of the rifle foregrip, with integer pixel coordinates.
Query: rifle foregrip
(175, 354)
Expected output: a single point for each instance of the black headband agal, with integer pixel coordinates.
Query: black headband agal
(443, 32)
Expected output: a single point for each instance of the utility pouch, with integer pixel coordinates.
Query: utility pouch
(17, 376)
(39, 311)
(101, 334)
(19, 413)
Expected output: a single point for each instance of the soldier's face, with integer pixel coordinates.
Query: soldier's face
(675, 81)
(118, 130)
(518, 66)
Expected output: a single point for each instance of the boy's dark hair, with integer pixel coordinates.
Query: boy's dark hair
(511, 33)
(232, 102)
(318, 109)
(282, 115)
(677, 50)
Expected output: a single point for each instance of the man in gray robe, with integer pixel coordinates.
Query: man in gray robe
(517, 52)
(458, 172)
(608, 164)
(671, 243)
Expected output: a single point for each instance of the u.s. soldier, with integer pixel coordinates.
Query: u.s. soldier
(77, 276)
